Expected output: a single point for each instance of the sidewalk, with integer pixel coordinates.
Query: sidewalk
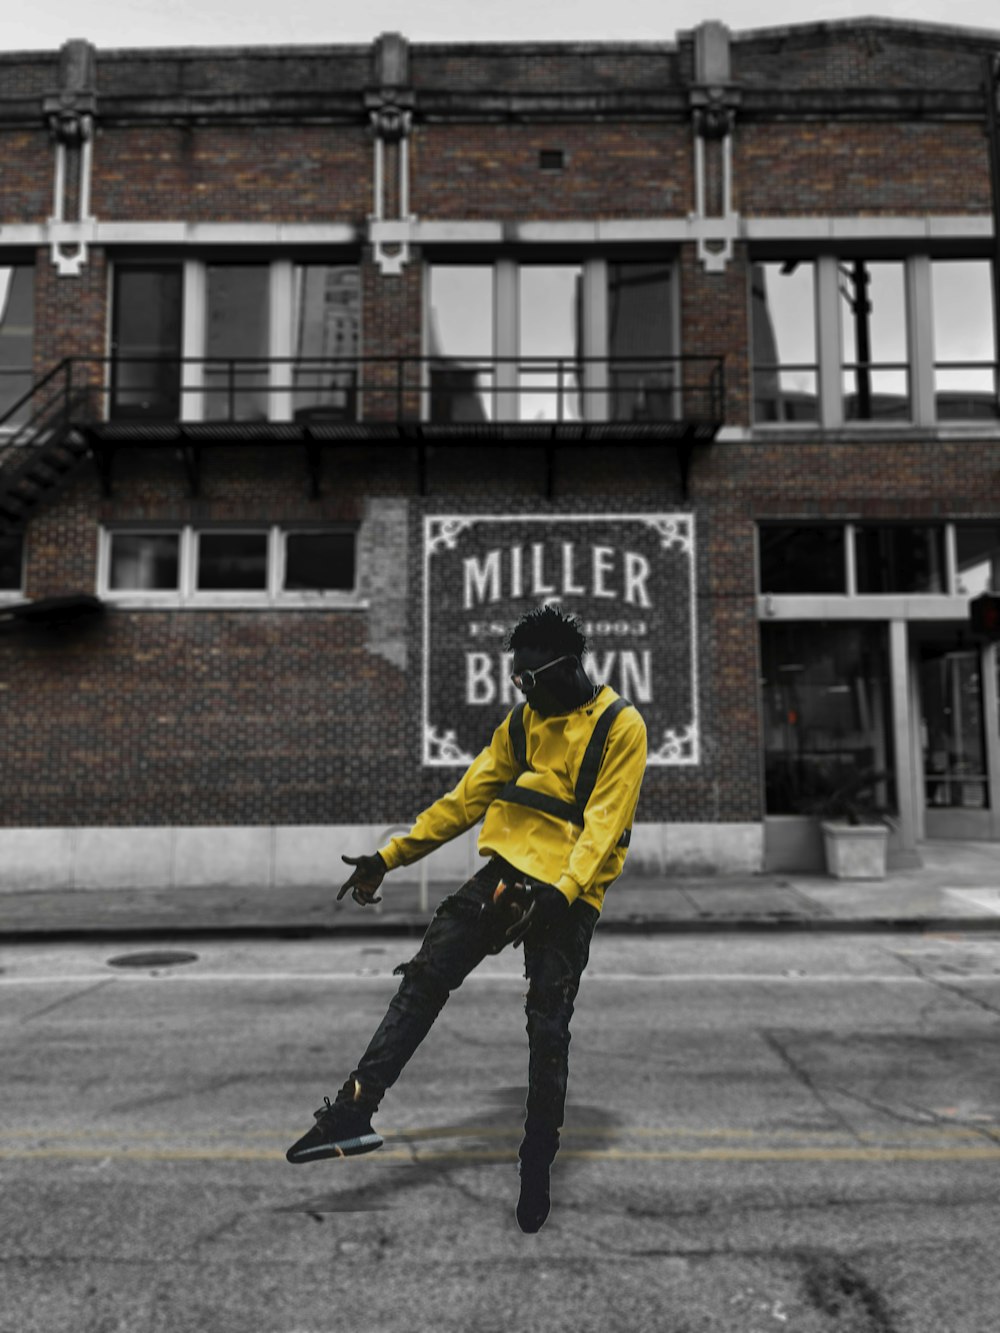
(956, 888)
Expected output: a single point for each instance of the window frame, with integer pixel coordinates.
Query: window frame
(188, 596)
(281, 325)
(594, 332)
(921, 363)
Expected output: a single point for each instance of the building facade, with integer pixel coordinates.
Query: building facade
(319, 366)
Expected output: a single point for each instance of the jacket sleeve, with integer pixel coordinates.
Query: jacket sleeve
(611, 808)
(460, 808)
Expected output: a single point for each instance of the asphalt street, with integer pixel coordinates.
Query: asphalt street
(798, 1133)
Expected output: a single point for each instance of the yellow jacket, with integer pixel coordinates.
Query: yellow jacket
(581, 856)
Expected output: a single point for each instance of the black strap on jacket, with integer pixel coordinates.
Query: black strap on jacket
(586, 779)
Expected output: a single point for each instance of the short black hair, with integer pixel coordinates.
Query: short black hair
(549, 628)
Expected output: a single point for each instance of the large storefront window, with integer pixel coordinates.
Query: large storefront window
(827, 719)
(977, 553)
(900, 558)
(802, 559)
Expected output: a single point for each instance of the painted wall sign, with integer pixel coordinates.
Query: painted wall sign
(630, 578)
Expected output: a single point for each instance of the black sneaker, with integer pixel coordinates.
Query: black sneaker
(533, 1204)
(341, 1130)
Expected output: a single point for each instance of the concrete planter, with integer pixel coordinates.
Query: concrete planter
(855, 851)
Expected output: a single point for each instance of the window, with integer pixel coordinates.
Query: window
(900, 559)
(145, 562)
(847, 340)
(232, 562)
(874, 354)
(826, 710)
(977, 554)
(17, 334)
(265, 566)
(802, 559)
(237, 342)
(531, 341)
(461, 333)
(253, 342)
(783, 311)
(965, 371)
(549, 337)
(146, 341)
(319, 562)
(640, 339)
(816, 559)
(11, 563)
(326, 305)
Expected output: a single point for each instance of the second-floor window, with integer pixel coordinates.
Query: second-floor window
(590, 340)
(17, 333)
(234, 341)
(852, 340)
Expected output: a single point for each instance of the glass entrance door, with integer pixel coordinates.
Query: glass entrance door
(953, 742)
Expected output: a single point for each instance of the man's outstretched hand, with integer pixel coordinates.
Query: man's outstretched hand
(368, 873)
(547, 907)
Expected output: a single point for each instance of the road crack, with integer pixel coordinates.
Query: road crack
(808, 1082)
(69, 999)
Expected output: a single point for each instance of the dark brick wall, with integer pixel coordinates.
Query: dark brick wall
(249, 173)
(549, 68)
(488, 171)
(861, 169)
(26, 180)
(852, 55)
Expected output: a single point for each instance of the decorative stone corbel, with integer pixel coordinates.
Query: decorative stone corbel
(390, 116)
(70, 113)
(714, 100)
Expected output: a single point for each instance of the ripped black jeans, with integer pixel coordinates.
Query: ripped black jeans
(463, 931)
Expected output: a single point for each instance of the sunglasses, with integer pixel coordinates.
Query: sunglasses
(527, 679)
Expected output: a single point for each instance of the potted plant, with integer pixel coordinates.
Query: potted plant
(856, 825)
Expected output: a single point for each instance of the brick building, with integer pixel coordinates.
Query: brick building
(318, 366)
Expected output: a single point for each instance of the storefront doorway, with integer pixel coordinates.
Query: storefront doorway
(957, 749)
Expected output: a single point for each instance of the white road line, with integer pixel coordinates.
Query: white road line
(485, 978)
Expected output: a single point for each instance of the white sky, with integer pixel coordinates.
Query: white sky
(115, 24)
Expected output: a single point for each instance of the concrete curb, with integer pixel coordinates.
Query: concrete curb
(414, 928)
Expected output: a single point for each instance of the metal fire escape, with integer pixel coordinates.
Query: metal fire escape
(100, 407)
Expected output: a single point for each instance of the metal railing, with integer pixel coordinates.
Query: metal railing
(428, 390)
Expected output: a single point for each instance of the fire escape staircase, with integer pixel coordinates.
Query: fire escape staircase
(41, 447)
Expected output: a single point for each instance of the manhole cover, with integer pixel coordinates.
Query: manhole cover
(160, 958)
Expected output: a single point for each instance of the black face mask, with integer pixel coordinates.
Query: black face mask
(560, 689)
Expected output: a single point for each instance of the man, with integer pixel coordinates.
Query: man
(557, 790)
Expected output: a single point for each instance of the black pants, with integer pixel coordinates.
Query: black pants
(463, 931)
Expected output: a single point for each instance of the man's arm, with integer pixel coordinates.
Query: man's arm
(611, 808)
(458, 809)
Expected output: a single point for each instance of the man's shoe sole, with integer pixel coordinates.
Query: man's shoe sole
(344, 1148)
